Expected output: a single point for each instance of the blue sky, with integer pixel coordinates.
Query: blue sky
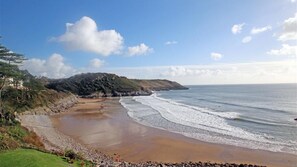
(189, 41)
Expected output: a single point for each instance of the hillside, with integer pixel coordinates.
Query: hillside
(26, 93)
(104, 84)
(158, 84)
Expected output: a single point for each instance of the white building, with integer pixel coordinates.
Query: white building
(11, 82)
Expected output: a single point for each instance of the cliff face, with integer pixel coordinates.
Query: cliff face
(103, 84)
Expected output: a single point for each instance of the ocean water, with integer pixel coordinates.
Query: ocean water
(250, 116)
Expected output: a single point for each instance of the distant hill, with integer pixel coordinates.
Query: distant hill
(104, 84)
(158, 84)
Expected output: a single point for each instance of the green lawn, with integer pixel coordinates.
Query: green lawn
(30, 158)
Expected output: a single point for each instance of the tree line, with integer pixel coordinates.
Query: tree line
(11, 97)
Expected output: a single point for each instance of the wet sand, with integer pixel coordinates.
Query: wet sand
(104, 124)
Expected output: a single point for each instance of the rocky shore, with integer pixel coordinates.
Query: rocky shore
(186, 164)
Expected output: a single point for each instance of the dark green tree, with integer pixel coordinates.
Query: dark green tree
(9, 62)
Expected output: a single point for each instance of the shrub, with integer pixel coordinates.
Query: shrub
(8, 143)
(34, 140)
(17, 132)
(12, 137)
(7, 117)
(70, 154)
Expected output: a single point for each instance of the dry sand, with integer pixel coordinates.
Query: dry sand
(56, 141)
(105, 125)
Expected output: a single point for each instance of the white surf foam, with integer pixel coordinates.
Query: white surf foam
(204, 119)
(196, 117)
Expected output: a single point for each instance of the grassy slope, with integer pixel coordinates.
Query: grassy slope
(158, 84)
(28, 157)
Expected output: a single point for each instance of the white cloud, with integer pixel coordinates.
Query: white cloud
(83, 35)
(239, 73)
(171, 42)
(293, 1)
(216, 56)
(53, 67)
(236, 29)
(141, 49)
(286, 50)
(246, 39)
(289, 29)
(96, 63)
(178, 71)
(260, 30)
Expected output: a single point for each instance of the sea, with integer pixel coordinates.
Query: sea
(259, 116)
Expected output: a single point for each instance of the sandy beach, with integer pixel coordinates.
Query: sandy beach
(104, 125)
(56, 141)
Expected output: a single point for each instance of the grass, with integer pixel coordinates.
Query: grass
(14, 138)
(32, 158)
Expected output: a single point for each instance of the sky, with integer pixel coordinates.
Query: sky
(191, 42)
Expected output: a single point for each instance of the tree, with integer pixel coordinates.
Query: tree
(9, 62)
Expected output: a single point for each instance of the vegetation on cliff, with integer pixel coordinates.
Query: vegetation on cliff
(12, 137)
(158, 84)
(10, 76)
(32, 94)
(94, 83)
(19, 90)
(104, 84)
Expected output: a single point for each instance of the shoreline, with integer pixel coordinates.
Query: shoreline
(107, 127)
(116, 133)
(55, 141)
